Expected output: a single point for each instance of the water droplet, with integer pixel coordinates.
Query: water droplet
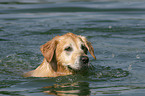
(137, 56)
(130, 67)
(113, 55)
(110, 27)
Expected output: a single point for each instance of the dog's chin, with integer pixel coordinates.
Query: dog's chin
(78, 68)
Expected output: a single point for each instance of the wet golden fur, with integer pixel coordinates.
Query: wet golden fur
(56, 59)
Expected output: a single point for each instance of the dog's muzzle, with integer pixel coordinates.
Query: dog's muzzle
(82, 65)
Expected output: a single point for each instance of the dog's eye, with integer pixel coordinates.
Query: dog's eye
(83, 47)
(68, 49)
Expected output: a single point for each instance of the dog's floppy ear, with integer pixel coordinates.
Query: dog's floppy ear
(48, 50)
(89, 46)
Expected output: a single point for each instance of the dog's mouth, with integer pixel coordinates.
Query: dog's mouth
(80, 67)
(69, 67)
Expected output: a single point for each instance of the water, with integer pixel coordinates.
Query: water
(116, 29)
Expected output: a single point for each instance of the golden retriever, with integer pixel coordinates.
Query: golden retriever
(63, 55)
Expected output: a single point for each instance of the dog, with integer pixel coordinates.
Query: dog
(63, 55)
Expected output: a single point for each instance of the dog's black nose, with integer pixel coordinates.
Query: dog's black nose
(84, 59)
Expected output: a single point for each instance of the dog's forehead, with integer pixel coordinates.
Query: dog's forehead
(70, 39)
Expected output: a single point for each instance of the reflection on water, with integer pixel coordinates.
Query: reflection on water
(84, 88)
(71, 89)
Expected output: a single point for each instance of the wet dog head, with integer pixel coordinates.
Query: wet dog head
(67, 51)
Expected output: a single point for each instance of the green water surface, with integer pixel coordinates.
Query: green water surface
(116, 29)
